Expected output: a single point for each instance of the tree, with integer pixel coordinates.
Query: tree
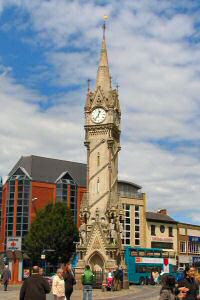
(52, 229)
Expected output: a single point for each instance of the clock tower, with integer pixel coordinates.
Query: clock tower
(101, 211)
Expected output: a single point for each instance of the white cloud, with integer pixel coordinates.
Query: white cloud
(157, 67)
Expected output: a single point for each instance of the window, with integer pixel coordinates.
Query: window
(171, 231)
(161, 245)
(137, 225)
(162, 228)
(127, 228)
(194, 247)
(153, 230)
(97, 185)
(98, 159)
(66, 187)
(182, 246)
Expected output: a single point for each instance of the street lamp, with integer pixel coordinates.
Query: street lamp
(33, 202)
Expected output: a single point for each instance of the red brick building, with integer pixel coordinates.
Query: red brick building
(33, 183)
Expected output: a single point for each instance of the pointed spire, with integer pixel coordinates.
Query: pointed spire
(103, 75)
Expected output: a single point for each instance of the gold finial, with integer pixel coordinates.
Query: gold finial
(104, 25)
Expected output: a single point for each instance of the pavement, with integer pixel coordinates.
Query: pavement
(134, 292)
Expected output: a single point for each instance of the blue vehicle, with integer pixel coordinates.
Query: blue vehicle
(142, 262)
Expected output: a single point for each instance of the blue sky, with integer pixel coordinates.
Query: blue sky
(48, 50)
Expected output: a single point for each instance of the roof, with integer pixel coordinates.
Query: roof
(45, 169)
(158, 217)
(138, 187)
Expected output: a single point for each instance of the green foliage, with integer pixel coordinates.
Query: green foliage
(54, 229)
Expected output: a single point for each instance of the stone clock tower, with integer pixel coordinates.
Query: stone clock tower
(101, 211)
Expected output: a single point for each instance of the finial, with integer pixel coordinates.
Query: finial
(104, 25)
(88, 81)
(117, 87)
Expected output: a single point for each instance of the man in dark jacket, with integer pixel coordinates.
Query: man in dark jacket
(6, 276)
(35, 287)
(190, 283)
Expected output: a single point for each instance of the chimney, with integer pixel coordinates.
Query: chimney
(162, 211)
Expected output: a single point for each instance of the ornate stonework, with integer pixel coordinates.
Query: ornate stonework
(101, 210)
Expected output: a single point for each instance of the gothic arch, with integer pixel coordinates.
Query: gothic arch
(96, 261)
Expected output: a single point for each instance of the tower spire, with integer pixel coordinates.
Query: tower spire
(103, 75)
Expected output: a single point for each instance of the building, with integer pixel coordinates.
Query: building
(161, 230)
(188, 244)
(33, 183)
(134, 205)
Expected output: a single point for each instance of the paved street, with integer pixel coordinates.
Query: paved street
(134, 293)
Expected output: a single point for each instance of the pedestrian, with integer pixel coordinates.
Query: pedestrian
(58, 286)
(87, 281)
(168, 290)
(41, 271)
(69, 281)
(34, 287)
(6, 276)
(109, 280)
(190, 283)
(118, 277)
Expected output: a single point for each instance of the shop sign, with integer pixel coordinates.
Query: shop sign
(195, 239)
(184, 259)
(196, 259)
(161, 239)
(14, 243)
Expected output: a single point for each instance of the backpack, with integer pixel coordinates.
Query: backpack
(87, 277)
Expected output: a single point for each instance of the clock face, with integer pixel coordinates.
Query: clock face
(98, 115)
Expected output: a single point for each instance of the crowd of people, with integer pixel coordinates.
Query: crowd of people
(36, 286)
(187, 288)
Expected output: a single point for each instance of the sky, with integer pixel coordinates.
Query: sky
(48, 50)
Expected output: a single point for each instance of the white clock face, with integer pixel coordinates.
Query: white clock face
(98, 115)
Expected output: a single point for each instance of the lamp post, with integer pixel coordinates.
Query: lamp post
(43, 257)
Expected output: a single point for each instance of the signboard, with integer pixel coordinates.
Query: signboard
(195, 239)
(196, 260)
(161, 239)
(149, 260)
(14, 243)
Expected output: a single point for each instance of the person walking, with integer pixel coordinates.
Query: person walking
(87, 281)
(6, 276)
(34, 287)
(190, 283)
(58, 286)
(168, 290)
(69, 281)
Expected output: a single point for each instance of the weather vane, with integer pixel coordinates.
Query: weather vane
(104, 25)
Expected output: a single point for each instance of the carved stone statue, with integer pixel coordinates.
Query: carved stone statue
(112, 231)
(83, 233)
(121, 230)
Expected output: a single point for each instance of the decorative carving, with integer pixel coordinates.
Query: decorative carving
(96, 244)
(83, 233)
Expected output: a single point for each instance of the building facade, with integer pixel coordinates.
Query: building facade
(188, 244)
(134, 205)
(161, 231)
